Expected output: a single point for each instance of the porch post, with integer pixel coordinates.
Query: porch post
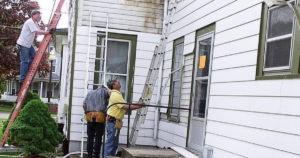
(41, 92)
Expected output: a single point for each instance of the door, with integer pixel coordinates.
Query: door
(200, 92)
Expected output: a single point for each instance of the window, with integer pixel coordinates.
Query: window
(176, 78)
(118, 52)
(202, 75)
(120, 61)
(54, 66)
(13, 87)
(35, 87)
(278, 56)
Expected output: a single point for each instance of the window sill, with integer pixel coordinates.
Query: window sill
(277, 77)
(173, 118)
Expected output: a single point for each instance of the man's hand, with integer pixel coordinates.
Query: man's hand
(51, 31)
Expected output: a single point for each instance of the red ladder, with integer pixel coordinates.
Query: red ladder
(32, 71)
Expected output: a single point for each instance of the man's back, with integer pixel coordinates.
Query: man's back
(28, 33)
(97, 100)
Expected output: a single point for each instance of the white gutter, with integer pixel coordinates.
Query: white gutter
(157, 110)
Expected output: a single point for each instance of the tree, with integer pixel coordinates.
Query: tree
(35, 130)
(30, 96)
(13, 14)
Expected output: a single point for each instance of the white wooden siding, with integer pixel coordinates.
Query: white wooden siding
(146, 43)
(142, 15)
(247, 118)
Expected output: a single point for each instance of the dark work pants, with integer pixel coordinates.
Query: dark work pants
(94, 131)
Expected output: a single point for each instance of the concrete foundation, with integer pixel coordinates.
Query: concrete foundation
(149, 153)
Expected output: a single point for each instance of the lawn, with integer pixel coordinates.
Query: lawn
(4, 109)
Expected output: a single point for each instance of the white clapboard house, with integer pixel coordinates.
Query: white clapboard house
(240, 75)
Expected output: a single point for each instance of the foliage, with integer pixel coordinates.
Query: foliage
(34, 129)
(13, 14)
(30, 96)
(6, 103)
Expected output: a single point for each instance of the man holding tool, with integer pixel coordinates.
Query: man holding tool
(94, 106)
(115, 114)
(25, 41)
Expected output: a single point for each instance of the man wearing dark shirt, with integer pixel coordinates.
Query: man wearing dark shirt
(94, 106)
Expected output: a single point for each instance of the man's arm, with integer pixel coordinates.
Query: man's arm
(84, 108)
(132, 107)
(40, 32)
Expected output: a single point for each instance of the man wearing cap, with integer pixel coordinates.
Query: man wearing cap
(94, 106)
(115, 114)
(25, 41)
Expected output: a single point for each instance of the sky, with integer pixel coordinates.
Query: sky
(46, 7)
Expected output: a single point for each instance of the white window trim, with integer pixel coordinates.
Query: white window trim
(176, 115)
(208, 78)
(282, 68)
(128, 63)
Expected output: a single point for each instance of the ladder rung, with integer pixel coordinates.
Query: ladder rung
(97, 33)
(97, 58)
(98, 46)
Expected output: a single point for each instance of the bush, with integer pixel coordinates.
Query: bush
(35, 130)
(30, 96)
(5, 103)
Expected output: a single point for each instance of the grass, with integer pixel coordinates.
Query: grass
(3, 109)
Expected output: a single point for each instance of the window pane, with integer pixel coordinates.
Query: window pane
(280, 21)
(204, 50)
(35, 85)
(278, 53)
(178, 61)
(122, 80)
(175, 97)
(117, 57)
(200, 99)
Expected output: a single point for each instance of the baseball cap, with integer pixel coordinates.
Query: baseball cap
(35, 12)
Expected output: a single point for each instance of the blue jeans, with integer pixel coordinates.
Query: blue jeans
(111, 145)
(26, 56)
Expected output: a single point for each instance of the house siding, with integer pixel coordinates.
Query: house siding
(146, 43)
(246, 117)
(143, 15)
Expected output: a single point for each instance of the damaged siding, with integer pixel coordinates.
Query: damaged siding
(133, 15)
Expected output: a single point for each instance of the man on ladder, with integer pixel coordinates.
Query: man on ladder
(94, 106)
(25, 41)
(115, 114)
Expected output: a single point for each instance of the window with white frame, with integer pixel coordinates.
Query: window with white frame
(13, 87)
(35, 87)
(117, 62)
(54, 66)
(176, 79)
(279, 39)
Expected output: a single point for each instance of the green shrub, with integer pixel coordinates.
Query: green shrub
(35, 130)
(30, 96)
(6, 103)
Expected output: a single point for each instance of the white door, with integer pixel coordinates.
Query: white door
(200, 91)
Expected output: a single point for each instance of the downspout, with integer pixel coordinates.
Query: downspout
(157, 110)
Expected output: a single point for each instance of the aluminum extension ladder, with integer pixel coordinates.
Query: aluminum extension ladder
(32, 71)
(157, 59)
(87, 71)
